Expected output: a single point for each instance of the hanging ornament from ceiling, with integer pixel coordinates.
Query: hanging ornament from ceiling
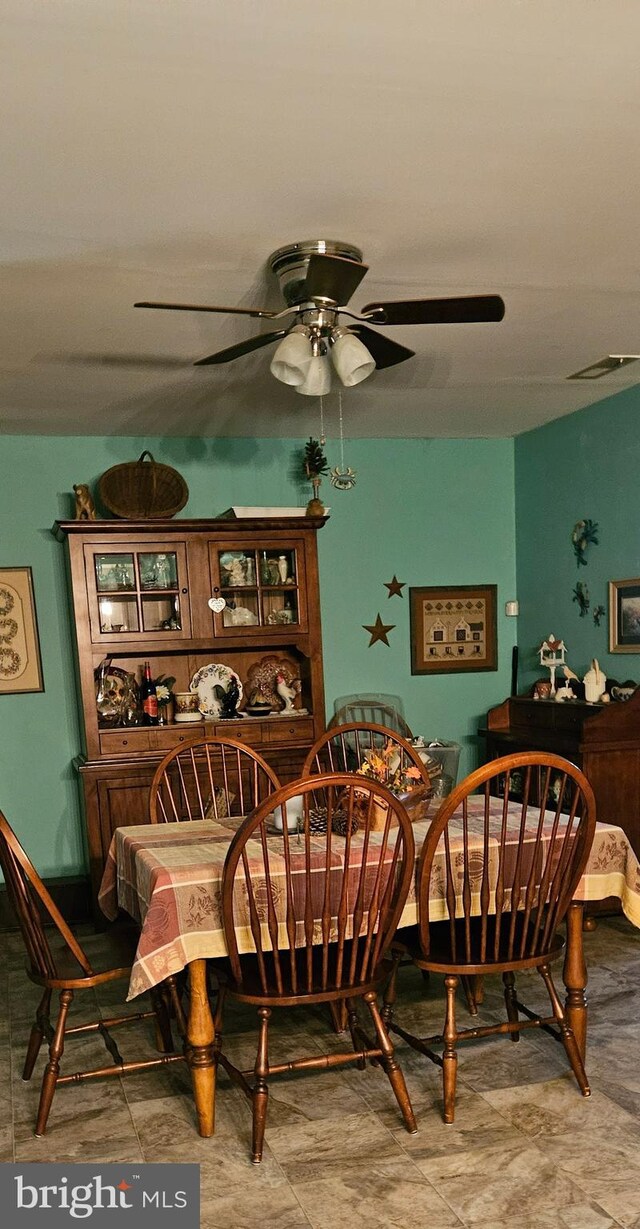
(342, 477)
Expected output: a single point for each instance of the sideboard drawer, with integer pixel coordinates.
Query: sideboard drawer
(124, 740)
(298, 729)
(175, 735)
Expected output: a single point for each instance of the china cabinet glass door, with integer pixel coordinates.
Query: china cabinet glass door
(138, 592)
(261, 586)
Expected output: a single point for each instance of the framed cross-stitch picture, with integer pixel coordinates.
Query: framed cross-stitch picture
(453, 628)
(20, 667)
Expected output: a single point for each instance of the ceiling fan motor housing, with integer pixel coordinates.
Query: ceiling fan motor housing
(290, 264)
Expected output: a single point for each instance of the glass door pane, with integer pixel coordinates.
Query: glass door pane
(158, 570)
(118, 614)
(114, 572)
(160, 614)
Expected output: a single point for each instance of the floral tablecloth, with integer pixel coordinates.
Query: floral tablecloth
(169, 876)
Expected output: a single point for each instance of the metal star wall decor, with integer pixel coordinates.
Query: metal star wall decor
(395, 586)
(378, 631)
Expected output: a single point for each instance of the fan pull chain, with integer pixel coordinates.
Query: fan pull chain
(341, 478)
(323, 438)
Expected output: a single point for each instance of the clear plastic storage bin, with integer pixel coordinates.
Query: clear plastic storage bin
(448, 754)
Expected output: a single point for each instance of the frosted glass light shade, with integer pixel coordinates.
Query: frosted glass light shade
(292, 359)
(318, 381)
(351, 360)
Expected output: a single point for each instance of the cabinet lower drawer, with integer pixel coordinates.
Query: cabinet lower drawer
(283, 731)
(183, 732)
(125, 740)
(249, 732)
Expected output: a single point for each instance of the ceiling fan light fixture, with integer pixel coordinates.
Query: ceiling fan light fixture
(292, 359)
(318, 381)
(350, 357)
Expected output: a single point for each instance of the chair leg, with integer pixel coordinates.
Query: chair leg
(164, 1038)
(261, 1091)
(56, 1050)
(338, 1016)
(390, 993)
(509, 982)
(569, 1042)
(469, 994)
(40, 1029)
(352, 1017)
(392, 1070)
(450, 1057)
(176, 1005)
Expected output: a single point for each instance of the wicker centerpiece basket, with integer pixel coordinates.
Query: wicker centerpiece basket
(143, 489)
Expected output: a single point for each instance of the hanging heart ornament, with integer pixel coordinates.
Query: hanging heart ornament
(343, 479)
(216, 604)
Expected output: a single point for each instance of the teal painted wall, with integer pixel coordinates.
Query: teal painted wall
(579, 467)
(432, 511)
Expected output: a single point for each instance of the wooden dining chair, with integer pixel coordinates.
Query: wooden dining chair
(308, 917)
(209, 778)
(344, 748)
(58, 964)
(507, 871)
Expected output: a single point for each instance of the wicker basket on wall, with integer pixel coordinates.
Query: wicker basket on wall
(143, 489)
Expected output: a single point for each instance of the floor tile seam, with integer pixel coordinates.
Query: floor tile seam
(495, 1109)
(123, 1084)
(578, 1180)
(399, 1141)
(295, 1196)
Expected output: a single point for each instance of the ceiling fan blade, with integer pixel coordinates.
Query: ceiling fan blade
(198, 307)
(385, 352)
(332, 277)
(243, 347)
(467, 310)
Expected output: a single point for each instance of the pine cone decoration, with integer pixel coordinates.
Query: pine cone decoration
(317, 819)
(340, 823)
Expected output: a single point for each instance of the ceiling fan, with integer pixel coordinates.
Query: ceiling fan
(317, 279)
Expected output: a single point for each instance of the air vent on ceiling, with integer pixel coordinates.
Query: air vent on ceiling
(613, 362)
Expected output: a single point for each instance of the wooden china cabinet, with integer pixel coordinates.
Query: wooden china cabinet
(141, 592)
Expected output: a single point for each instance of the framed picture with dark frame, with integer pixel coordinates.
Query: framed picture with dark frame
(624, 616)
(453, 629)
(20, 666)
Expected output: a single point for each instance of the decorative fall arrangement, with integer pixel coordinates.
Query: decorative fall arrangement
(403, 780)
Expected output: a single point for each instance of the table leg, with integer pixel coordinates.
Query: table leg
(574, 976)
(199, 1050)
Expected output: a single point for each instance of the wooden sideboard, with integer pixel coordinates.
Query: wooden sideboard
(602, 739)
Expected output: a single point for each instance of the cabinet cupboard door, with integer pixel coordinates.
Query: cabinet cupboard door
(263, 585)
(138, 592)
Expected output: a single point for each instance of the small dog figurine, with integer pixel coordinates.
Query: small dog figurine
(85, 509)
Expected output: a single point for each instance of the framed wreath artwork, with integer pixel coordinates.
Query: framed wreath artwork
(20, 666)
(453, 628)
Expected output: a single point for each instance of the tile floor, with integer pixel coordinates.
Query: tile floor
(525, 1147)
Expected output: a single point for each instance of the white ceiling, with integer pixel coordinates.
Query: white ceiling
(161, 149)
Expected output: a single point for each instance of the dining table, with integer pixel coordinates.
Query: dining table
(168, 878)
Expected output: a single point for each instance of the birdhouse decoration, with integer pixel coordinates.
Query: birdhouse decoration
(552, 653)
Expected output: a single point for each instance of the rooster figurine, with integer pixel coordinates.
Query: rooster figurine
(287, 691)
(227, 698)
